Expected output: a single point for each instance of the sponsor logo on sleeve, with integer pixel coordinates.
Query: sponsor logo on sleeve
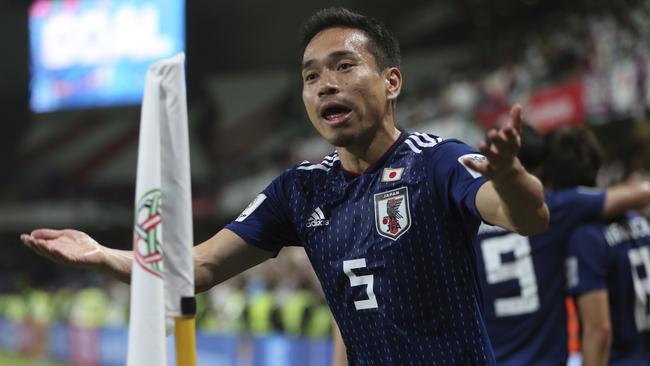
(251, 207)
(478, 158)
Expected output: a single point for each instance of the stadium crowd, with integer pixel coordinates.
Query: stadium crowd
(262, 301)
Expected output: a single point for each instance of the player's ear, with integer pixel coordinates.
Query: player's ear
(393, 80)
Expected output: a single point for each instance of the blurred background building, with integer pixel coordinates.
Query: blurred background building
(465, 63)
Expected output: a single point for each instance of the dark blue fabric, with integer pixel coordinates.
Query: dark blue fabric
(615, 257)
(530, 328)
(423, 272)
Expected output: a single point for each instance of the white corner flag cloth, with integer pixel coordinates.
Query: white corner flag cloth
(162, 271)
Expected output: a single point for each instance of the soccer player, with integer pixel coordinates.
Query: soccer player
(608, 272)
(388, 220)
(523, 277)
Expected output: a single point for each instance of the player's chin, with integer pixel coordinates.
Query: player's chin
(340, 139)
(338, 136)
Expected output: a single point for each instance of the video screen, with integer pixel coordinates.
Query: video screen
(95, 53)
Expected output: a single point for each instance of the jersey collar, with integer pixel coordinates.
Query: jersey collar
(379, 162)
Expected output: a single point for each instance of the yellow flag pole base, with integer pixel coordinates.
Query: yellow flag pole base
(185, 341)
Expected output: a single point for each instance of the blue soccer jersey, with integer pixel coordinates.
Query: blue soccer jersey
(616, 257)
(391, 247)
(523, 281)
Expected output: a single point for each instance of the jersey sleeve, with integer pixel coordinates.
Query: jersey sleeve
(571, 207)
(454, 179)
(586, 260)
(266, 222)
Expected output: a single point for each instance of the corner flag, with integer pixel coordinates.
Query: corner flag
(162, 278)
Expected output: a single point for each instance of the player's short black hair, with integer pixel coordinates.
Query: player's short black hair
(574, 158)
(533, 147)
(381, 43)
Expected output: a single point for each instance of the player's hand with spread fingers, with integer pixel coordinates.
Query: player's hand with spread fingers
(500, 148)
(512, 198)
(66, 247)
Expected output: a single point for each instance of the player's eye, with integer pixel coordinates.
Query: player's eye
(344, 66)
(310, 76)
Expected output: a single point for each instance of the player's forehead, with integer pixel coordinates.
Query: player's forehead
(336, 39)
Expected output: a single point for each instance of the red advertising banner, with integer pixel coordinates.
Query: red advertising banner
(546, 110)
(492, 115)
(560, 105)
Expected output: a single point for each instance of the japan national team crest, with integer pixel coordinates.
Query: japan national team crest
(392, 214)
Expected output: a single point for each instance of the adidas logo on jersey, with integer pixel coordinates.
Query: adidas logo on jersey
(317, 218)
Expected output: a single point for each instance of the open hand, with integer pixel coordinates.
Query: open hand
(500, 147)
(67, 246)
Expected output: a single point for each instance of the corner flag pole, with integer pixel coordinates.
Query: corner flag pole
(185, 340)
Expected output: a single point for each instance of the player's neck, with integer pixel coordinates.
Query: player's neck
(359, 157)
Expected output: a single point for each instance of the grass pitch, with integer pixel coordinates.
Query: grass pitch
(7, 358)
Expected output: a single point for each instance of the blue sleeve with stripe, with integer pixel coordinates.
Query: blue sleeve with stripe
(571, 207)
(266, 222)
(453, 179)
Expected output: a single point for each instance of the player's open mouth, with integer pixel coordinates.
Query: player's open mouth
(336, 113)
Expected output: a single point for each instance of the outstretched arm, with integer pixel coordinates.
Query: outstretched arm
(626, 196)
(215, 260)
(222, 257)
(512, 198)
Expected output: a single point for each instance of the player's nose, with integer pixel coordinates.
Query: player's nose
(328, 85)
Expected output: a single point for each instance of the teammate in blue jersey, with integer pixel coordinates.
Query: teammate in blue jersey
(523, 277)
(608, 271)
(388, 220)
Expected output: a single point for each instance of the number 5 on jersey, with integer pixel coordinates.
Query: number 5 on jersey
(368, 280)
